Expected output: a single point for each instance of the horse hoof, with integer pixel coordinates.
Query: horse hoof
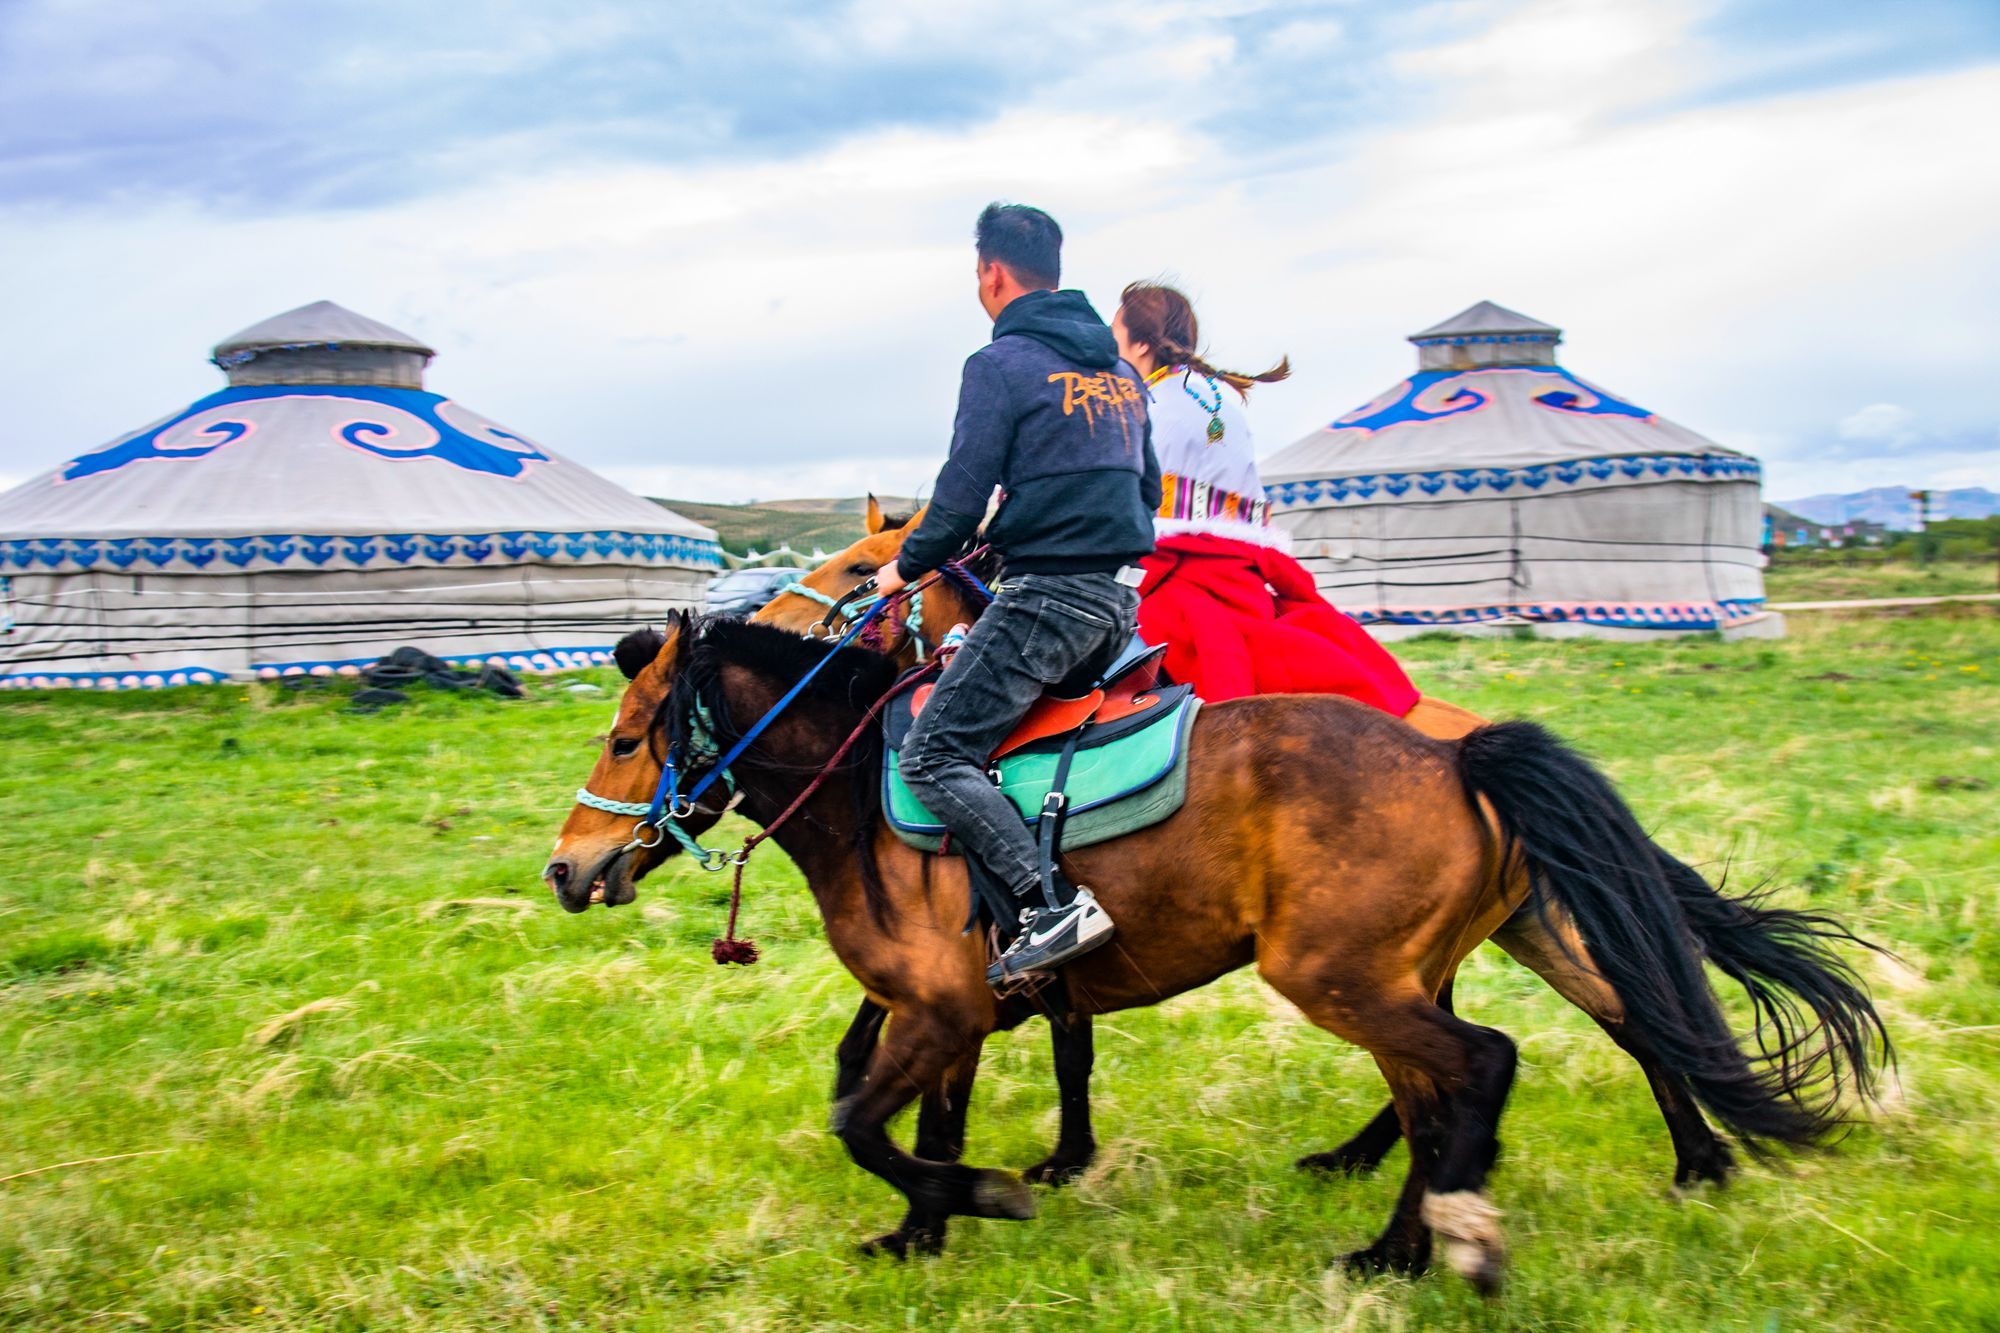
(1055, 1171)
(1342, 1161)
(894, 1245)
(1001, 1194)
(1474, 1246)
(1379, 1260)
(1690, 1174)
(903, 1243)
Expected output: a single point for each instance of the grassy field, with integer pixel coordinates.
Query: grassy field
(1831, 579)
(287, 973)
(802, 524)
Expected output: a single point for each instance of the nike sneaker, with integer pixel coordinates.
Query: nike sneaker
(1050, 937)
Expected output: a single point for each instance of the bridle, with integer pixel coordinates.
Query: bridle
(862, 598)
(661, 817)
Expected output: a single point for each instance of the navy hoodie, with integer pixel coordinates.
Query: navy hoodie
(1049, 413)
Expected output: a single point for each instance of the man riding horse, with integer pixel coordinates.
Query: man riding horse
(1396, 855)
(1051, 415)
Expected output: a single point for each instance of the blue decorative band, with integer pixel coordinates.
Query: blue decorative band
(396, 550)
(1485, 482)
(519, 659)
(1467, 339)
(1679, 616)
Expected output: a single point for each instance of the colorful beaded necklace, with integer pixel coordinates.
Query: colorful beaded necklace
(1213, 409)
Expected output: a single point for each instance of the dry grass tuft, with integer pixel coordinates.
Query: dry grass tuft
(285, 1028)
(431, 911)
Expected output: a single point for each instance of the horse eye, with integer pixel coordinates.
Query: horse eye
(863, 568)
(624, 747)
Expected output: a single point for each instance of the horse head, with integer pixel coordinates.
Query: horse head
(599, 856)
(817, 594)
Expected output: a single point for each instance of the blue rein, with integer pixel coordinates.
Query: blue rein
(669, 806)
(662, 815)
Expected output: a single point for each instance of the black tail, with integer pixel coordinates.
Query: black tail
(1649, 920)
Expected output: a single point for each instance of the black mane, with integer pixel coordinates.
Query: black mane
(849, 685)
(984, 566)
(857, 677)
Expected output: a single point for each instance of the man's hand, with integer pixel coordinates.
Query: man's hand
(889, 579)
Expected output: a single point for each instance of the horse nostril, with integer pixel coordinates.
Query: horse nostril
(557, 874)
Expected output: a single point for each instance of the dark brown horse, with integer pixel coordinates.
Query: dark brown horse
(1544, 943)
(1355, 862)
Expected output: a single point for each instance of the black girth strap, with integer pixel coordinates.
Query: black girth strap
(1055, 812)
(999, 901)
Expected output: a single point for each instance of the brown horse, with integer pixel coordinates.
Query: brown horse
(1545, 943)
(1355, 862)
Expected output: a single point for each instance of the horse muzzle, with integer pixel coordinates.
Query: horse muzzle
(579, 885)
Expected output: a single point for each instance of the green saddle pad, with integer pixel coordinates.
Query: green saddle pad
(1131, 783)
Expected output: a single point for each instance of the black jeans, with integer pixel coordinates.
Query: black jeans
(1039, 629)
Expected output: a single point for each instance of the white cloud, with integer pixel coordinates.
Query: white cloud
(795, 327)
(1881, 423)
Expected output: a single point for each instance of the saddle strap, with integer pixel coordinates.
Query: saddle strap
(1055, 808)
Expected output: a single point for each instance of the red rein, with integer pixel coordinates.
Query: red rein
(729, 949)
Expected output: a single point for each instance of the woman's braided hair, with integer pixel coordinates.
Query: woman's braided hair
(1163, 320)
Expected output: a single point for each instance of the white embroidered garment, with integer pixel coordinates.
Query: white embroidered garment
(1210, 485)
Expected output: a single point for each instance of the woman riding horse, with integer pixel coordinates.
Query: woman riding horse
(1237, 614)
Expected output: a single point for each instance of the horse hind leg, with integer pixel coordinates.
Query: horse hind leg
(1450, 1079)
(918, 1051)
(1362, 1153)
(1553, 951)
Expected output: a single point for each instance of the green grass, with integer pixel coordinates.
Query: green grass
(1828, 577)
(300, 958)
(829, 525)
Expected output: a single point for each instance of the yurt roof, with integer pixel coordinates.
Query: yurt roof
(319, 324)
(1485, 317)
(288, 463)
(1520, 409)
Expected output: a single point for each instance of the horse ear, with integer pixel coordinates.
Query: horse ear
(636, 650)
(875, 520)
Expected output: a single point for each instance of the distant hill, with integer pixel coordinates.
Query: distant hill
(1892, 507)
(1784, 519)
(801, 524)
(853, 504)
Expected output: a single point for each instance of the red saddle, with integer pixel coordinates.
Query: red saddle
(1132, 691)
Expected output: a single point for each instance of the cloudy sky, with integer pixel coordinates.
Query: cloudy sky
(723, 251)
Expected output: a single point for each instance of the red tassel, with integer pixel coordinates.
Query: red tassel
(730, 951)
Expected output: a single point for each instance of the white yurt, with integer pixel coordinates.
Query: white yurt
(1495, 488)
(321, 510)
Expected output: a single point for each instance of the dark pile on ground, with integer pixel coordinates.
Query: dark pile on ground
(389, 678)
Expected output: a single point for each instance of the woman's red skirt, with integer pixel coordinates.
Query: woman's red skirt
(1239, 619)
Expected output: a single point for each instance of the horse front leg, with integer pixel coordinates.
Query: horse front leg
(857, 1044)
(918, 1051)
(1075, 1050)
(940, 1138)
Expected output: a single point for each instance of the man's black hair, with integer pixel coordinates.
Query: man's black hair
(1025, 239)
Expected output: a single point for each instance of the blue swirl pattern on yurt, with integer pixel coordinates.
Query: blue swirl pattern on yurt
(388, 423)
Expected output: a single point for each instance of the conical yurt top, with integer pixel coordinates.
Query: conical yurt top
(321, 324)
(324, 451)
(1488, 393)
